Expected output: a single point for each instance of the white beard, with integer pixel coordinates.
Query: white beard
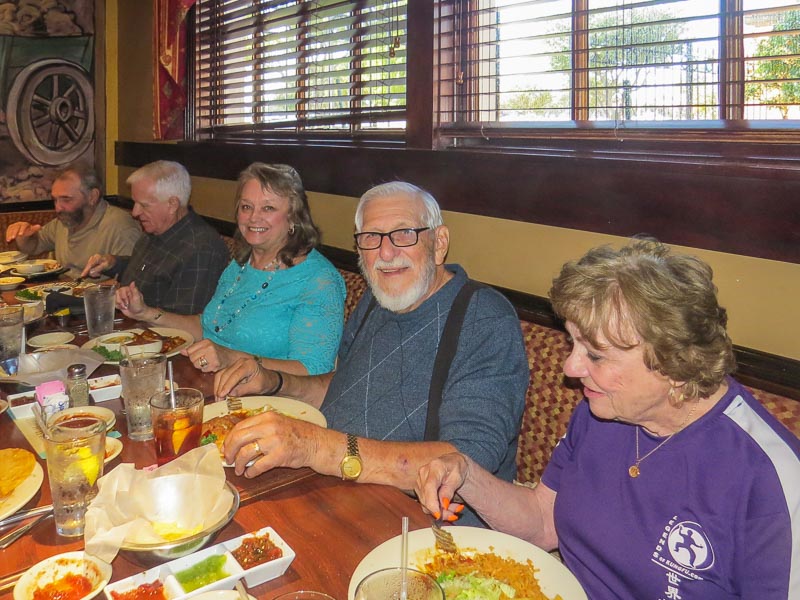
(399, 302)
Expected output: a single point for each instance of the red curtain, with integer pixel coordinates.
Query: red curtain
(169, 68)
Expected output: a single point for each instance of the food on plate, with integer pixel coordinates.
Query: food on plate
(146, 591)
(79, 290)
(70, 587)
(256, 550)
(28, 295)
(205, 572)
(469, 575)
(215, 430)
(108, 355)
(168, 343)
(17, 466)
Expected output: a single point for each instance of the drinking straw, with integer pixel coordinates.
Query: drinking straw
(404, 561)
(171, 385)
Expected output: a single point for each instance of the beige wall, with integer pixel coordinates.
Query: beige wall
(760, 295)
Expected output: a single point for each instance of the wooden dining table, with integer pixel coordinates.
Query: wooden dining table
(330, 524)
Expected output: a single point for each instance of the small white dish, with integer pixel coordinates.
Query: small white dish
(136, 349)
(29, 268)
(11, 256)
(10, 283)
(57, 567)
(105, 388)
(114, 340)
(47, 340)
(113, 448)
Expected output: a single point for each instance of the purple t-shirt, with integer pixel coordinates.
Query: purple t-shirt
(714, 514)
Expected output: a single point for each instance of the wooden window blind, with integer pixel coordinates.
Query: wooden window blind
(286, 68)
(593, 64)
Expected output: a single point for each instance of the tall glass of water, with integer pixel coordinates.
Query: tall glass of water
(141, 377)
(11, 325)
(99, 303)
(75, 452)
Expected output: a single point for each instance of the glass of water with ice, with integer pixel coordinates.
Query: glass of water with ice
(11, 323)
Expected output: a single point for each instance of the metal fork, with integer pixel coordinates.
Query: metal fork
(234, 403)
(444, 539)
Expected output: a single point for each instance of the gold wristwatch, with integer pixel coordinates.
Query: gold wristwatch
(351, 464)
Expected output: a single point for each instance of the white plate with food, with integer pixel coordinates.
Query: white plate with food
(64, 572)
(553, 577)
(37, 269)
(40, 292)
(20, 479)
(86, 411)
(173, 341)
(113, 449)
(10, 283)
(218, 420)
(55, 338)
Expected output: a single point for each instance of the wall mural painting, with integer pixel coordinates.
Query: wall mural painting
(46, 93)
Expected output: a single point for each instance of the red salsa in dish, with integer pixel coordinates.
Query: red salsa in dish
(256, 550)
(146, 591)
(69, 587)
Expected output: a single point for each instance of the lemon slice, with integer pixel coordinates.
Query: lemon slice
(180, 430)
(85, 463)
(61, 312)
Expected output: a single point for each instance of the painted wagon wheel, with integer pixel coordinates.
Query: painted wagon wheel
(51, 112)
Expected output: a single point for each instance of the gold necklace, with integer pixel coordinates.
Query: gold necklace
(633, 470)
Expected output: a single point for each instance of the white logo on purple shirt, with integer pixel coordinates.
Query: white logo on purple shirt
(690, 547)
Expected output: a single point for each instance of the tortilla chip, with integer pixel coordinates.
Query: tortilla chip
(17, 466)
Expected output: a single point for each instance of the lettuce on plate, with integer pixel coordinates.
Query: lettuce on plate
(472, 587)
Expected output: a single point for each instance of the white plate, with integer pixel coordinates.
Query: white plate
(12, 256)
(554, 578)
(96, 411)
(56, 269)
(46, 340)
(24, 492)
(165, 331)
(113, 448)
(56, 567)
(286, 406)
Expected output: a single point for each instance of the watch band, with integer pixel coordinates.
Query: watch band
(351, 465)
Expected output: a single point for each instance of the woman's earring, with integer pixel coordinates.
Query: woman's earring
(291, 230)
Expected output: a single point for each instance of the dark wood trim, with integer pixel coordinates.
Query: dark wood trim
(27, 206)
(419, 80)
(736, 205)
(768, 372)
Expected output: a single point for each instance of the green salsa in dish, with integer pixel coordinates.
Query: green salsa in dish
(205, 572)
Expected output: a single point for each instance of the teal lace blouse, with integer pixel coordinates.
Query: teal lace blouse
(291, 314)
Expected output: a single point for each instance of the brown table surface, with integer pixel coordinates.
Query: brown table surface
(330, 524)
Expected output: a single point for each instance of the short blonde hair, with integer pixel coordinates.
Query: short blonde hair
(667, 300)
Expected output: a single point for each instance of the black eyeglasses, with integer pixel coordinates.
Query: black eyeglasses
(402, 238)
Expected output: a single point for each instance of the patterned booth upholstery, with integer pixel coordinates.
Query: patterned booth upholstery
(550, 399)
(35, 217)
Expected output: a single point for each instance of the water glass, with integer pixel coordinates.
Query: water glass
(75, 451)
(99, 303)
(141, 377)
(11, 327)
(304, 595)
(177, 422)
(385, 585)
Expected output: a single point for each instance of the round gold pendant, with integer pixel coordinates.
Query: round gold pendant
(633, 471)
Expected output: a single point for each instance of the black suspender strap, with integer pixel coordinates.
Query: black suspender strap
(445, 354)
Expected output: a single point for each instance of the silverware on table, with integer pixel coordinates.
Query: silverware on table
(10, 538)
(234, 403)
(444, 539)
(25, 514)
(242, 592)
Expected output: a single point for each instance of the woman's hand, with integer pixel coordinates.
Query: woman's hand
(131, 302)
(244, 377)
(208, 356)
(270, 440)
(438, 482)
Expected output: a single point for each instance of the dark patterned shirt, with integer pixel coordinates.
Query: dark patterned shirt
(179, 269)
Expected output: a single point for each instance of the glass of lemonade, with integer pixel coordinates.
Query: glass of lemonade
(75, 452)
(177, 422)
(141, 377)
(11, 319)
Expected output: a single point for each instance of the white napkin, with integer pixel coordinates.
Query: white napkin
(176, 500)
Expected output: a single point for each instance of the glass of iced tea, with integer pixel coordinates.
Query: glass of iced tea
(177, 422)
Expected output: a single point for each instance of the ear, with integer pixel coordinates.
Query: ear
(441, 243)
(94, 196)
(174, 204)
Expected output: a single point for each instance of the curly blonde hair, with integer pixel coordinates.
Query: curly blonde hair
(643, 292)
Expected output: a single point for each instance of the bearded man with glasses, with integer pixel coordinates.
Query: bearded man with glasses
(429, 361)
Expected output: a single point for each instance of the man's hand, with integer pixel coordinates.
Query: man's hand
(131, 302)
(244, 377)
(21, 230)
(98, 263)
(271, 440)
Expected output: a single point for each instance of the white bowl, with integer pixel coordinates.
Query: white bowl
(57, 567)
(114, 340)
(10, 283)
(139, 349)
(29, 268)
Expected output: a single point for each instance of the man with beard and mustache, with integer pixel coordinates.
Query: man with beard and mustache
(381, 428)
(85, 223)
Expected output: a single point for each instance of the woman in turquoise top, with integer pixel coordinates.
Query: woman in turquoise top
(279, 300)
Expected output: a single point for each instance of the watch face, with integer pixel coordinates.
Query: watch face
(351, 467)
